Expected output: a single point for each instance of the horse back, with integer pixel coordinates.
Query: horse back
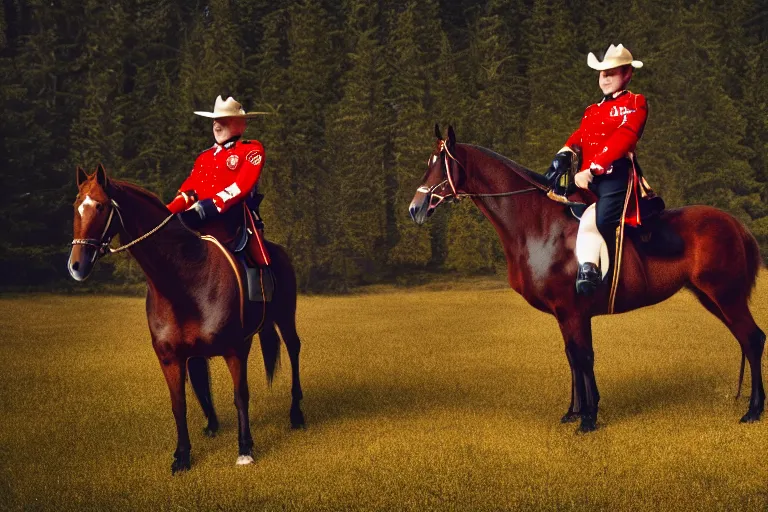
(715, 246)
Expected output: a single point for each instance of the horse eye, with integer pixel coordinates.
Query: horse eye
(99, 206)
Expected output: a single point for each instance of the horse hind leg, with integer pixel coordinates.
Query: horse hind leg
(756, 344)
(732, 309)
(287, 325)
(200, 378)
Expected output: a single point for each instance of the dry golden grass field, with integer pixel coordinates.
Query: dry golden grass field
(415, 399)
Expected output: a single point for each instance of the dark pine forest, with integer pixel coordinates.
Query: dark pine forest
(356, 87)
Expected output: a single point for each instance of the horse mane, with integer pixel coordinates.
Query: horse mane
(527, 174)
(175, 238)
(127, 186)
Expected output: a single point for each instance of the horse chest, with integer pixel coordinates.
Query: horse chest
(538, 261)
(192, 324)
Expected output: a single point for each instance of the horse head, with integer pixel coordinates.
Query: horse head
(441, 181)
(92, 227)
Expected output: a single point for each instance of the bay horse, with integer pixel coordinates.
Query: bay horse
(719, 261)
(193, 301)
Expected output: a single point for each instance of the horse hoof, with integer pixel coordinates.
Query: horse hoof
(297, 419)
(570, 417)
(210, 430)
(244, 460)
(588, 424)
(751, 416)
(181, 463)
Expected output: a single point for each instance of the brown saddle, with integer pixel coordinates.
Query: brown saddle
(238, 231)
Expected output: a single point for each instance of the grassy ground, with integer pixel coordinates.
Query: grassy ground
(415, 399)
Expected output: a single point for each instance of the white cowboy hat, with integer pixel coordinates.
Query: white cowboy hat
(615, 56)
(229, 108)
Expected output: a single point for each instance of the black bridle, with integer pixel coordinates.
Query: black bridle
(102, 244)
(455, 195)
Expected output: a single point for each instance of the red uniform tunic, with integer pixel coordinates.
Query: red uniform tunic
(609, 131)
(225, 173)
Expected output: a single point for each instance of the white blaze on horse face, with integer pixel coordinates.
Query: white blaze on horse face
(434, 159)
(88, 202)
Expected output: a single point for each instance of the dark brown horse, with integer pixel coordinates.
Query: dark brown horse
(719, 262)
(193, 301)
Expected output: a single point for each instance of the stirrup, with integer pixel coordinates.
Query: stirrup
(587, 279)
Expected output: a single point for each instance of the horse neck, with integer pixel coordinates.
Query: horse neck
(516, 217)
(168, 257)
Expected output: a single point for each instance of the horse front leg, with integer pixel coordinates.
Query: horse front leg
(237, 365)
(200, 377)
(573, 413)
(174, 371)
(577, 334)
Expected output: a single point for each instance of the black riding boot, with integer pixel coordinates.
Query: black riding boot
(588, 279)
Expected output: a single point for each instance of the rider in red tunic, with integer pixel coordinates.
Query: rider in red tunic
(225, 174)
(607, 136)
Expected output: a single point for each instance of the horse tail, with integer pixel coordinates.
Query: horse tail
(280, 311)
(270, 349)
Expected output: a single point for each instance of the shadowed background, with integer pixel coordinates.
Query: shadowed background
(421, 399)
(356, 87)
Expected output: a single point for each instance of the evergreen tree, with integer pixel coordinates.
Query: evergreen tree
(310, 87)
(495, 118)
(358, 144)
(153, 155)
(97, 133)
(559, 87)
(269, 82)
(210, 63)
(698, 136)
(354, 89)
(452, 96)
(40, 95)
(498, 113)
(473, 245)
(414, 52)
(3, 27)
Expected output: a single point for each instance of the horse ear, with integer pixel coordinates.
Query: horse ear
(101, 176)
(437, 132)
(81, 176)
(451, 136)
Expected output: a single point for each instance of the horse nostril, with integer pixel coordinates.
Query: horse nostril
(75, 266)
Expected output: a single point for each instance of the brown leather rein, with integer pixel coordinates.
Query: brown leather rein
(102, 245)
(458, 196)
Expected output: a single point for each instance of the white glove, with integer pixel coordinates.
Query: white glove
(583, 179)
(597, 169)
